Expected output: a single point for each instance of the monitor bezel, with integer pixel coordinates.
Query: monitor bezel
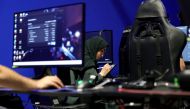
(99, 31)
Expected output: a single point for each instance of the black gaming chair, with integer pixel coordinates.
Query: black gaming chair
(153, 45)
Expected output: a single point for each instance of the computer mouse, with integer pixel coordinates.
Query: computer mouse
(84, 84)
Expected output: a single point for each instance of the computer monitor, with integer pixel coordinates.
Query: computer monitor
(184, 12)
(108, 36)
(186, 50)
(49, 37)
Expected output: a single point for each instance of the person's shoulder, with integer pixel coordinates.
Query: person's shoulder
(90, 69)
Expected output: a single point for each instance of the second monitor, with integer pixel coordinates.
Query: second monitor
(108, 36)
(186, 50)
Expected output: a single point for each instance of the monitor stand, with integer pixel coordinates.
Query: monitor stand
(64, 74)
(42, 71)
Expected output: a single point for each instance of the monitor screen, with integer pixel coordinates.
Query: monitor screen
(49, 37)
(186, 50)
(107, 35)
(184, 11)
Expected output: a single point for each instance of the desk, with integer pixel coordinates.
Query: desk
(52, 92)
(146, 96)
(114, 93)
(168, 93)
(121, 92)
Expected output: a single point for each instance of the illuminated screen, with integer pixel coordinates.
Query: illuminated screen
(186, 50)
(108, 37)
(50, 36)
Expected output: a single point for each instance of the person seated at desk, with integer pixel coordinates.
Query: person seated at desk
(94, 50)
(11, 79)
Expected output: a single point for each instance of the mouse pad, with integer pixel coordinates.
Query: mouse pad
(66, 88)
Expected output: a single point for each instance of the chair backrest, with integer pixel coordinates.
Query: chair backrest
(123, 53)
(153, 43)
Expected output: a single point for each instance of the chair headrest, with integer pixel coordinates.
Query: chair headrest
(151, 8)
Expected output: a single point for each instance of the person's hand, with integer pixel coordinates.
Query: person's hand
(182, 64)
(49, 81)
(105, 70)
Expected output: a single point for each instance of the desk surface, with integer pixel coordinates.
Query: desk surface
(106, 92)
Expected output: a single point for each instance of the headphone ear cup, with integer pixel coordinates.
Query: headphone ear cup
(184, 80)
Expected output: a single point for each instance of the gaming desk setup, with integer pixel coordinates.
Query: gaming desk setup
(58, 40)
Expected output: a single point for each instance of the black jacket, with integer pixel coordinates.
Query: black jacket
(92, 46)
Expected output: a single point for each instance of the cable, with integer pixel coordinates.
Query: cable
(161, 76)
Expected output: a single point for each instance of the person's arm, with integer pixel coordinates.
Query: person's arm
(11, 79)
(182, 64)
(92, 71)
(105, 70)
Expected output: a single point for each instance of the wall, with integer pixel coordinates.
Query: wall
(100, 14)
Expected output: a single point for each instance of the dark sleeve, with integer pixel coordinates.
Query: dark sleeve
(92, 71)
(99, 78)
